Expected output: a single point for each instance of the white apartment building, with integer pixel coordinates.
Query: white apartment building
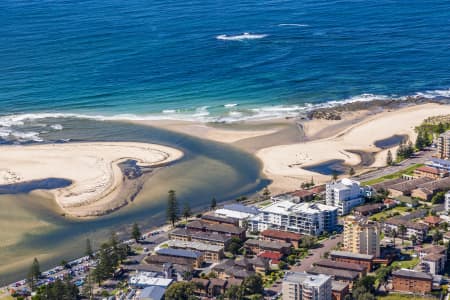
(304, 286)
(447, 202)
(306, 218)
(344, 194)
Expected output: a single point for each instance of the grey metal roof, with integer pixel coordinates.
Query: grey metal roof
(412, 274)
(153, 293)
(179, 253)
(242, 208)
(351, 255)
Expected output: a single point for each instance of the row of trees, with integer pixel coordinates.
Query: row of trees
(60, 289)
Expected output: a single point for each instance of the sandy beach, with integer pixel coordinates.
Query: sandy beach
(285, 146)
(92, 168)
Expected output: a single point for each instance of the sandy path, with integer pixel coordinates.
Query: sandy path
(92, 168)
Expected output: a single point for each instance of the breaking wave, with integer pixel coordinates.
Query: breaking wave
(241, 37)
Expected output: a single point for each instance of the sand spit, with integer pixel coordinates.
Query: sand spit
(93, 168)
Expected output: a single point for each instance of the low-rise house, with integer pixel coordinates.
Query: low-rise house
(257, 246)
(430, 172)
(426, 190)
(283, 236)
(390, 203)
(419, 230)
(241, 268)
(273, 257)
(339, 290)
(201, 287)
(328, 263)
(434, 259)
(195, 256)
(211, 253)
(335, 274)
(147, 279)
(404, 188)
(368, 209)
(208, 288)
(411, 281)
(199, 236)
(216, 287)
(226, 229)
(386, 184)
(215, 219)
(407, 201)
(353, 258)
(152, 293)
(158, 260)
(432, 221)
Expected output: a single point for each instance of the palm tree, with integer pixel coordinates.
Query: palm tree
(413, 239)
(402, 231)
(394, 234)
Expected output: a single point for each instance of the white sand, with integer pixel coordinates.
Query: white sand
(284, 163)
(92, 167)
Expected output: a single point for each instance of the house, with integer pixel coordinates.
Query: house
(383, 186)
(419, 230)
(432, 221)
(390, 203)
(273, 257)
(336, 274)
(411, 281)
(215, 219)
(194, 257)
(327, 263)
(430, 172)
(283, 236)
(404, 188)
(339, 290)
(211, 253)
(201, 287)
(365, 260)
(216, 287)
(239, 269)
(407, 201)
(148, 279)
(426, 190)
(226, 229)
(257, 246)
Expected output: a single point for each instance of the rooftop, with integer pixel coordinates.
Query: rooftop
(267, 244)
(287, 207)
(242, 208)
(153, 292)
(271, 255)
(427, 169)
(338, 286)
(306, 279)
(207, 236)
(351, 255)
(412, 274)
(194, 246)
(340, 265)
(222, 228)
(432, 220)
(279, 234)
(178, 253)
(409, 185)
(220, 219)
(369, 208)
(335, 273)
(148, 279)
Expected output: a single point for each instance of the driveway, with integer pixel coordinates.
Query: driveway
(318, 253)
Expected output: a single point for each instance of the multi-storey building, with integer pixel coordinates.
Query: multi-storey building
(304, 286)
(447, 201)
(306, 218)
(443, 145)
(411, 281)
(361, 236)
(344, 194)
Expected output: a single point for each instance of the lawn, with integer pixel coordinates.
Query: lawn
(386, 213)
(392, 296)
(408, 171)
(406, 264)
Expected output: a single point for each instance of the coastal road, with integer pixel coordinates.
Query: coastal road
(317, 254)
(419, 158)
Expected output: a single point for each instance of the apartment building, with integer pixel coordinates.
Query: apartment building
(411, 281)
(361, 236)
(419, 230)
(304, 286)
(443, 145)
(306, 218)
(344, 194)
(211, 253)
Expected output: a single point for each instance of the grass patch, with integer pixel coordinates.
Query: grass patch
(407, 171)
(393, 296)
(406, 264)
(388, 213)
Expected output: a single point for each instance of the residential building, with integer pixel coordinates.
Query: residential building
(441, 164)
(283, 236)
(241, 268)
(336, 274)
(433, 259)
(443, 145)
(432, 221)
(199, 236)
(152, 293)
(368, 209)
(304, 286)
(344, 194)
(361, 235)
(306, 218)
(257, 246)
(365, 260)
(328, 263)
(147, 279)
(405, 188)
(273, 257)
(239, 212)
(225, 229)
(411, 281)
(430, 172)
(419, 230)
(447, 202)
(211, 253)
(427, 190)
(339, 290)
(215, 219)
(195, 256)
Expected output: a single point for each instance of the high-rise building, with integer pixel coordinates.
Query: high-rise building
(443, 145)
(361, 236)
(306, 218)
(304, 286)
(344, 194)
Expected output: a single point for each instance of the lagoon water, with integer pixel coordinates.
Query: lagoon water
(225, 60)
(32, 225)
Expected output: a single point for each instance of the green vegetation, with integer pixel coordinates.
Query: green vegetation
(235, 246)
(405, 264)
(407, 171)
(89, 252)
(385, 214)
(172, 208)
(34, 273)
(405, 151)
(187, 213)
(136, 232)
(363, 289)
(393, 296)
(181, 291)
(57, 290)
(213, 203)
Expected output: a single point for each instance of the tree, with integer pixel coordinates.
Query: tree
(334, 175)
(266, 194)
(436, 236)
(181, 291)
(34, 273)
(172, 208)
(233, 292)
(402, 232)
(88, 287)
(213, 203)
(351, 172)
(187, 211)
(394, 234)
(136, 233)
(253, 285)
(440, 128)
(235, 245)
(60, 289)
(89, 252)
(413, 239)
(389, 159)
(438, 198)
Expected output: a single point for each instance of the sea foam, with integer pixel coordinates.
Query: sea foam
(241, 37)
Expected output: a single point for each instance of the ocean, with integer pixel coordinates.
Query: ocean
(215, 60)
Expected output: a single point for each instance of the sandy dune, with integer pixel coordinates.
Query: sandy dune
(285, 162)
(92, 167)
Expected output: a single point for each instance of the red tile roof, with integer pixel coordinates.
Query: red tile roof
(427, 169)
(303, 193)
(432, 220)
(279, 234)
(271, 255)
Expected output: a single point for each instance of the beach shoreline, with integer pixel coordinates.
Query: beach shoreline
(98, 185)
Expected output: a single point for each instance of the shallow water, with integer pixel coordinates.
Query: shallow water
(33, 225)
(328, 167)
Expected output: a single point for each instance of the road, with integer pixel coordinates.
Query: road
(419, 158)
(317, 254)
